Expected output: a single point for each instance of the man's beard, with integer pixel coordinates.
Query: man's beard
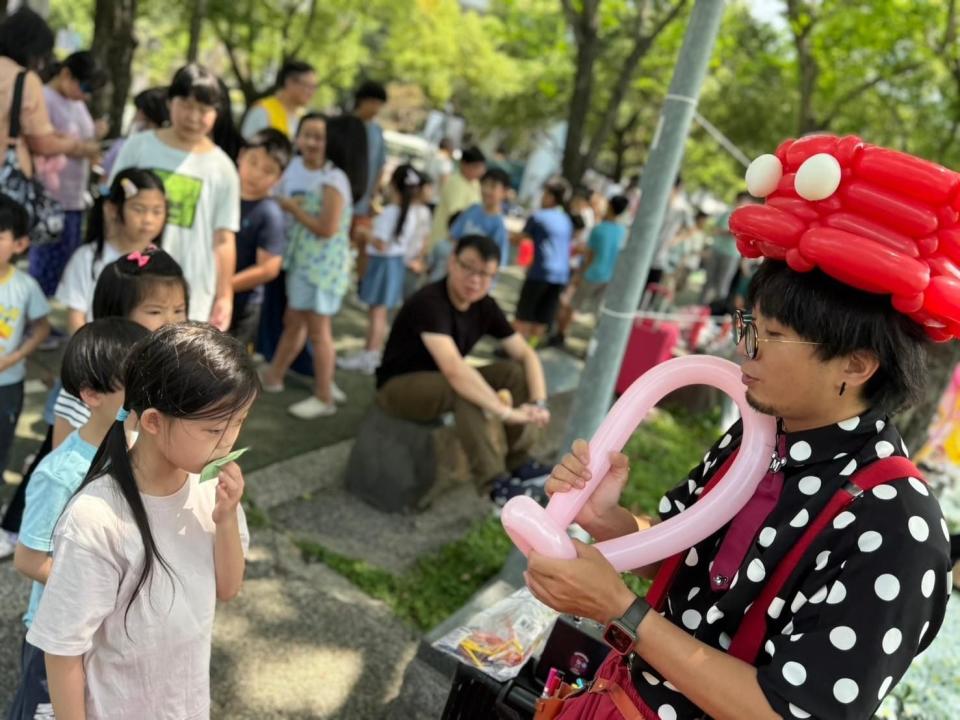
(760, 407)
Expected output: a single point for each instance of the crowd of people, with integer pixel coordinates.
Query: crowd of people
(199, 244)
(187, 247)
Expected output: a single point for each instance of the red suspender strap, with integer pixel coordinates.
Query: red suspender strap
(749, 636)
(657, 594)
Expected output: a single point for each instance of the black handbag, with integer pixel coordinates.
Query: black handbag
(46, 214)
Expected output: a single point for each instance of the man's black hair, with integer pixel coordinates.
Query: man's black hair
(618, 203)
(486, 247)
(845, 320)
(13, 218)
(370, 91)
(273, 142)
(292, 68)
(96, 354)
(472, 154)
(497, 175)
(560, 189)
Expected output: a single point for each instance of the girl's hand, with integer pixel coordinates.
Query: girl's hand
(573, 473)
(288, 204)
(379, 244)
(229, 492)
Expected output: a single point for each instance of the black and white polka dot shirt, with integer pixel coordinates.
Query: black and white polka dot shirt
(868, 596)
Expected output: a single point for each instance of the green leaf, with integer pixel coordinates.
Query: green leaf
(212, 469)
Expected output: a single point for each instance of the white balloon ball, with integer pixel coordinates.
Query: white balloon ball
(764, 175)
(818, 178)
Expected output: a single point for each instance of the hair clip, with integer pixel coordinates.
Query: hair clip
(122, 415)
(411, 178)
(130, 190)
(140, 258)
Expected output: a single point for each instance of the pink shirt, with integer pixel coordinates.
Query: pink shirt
(70, 117)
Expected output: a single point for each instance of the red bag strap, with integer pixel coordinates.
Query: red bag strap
(618, 696)
(657, 594)
(749, 637)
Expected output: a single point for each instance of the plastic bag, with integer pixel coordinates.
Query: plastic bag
(500, 640)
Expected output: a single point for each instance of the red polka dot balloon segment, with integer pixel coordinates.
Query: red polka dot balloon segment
(876, 219)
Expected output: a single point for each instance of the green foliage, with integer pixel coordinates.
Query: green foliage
(437, 585)
(888, 70)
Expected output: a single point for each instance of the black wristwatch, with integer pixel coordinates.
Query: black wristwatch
(621, 634)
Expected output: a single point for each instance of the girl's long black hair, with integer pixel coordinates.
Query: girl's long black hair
(406, 181)
(120, 192)
(189, 371)
(347, 149)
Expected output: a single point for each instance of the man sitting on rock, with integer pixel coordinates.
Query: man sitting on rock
(424, 372)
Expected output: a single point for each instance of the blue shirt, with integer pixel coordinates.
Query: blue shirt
(476, 221)
(606, 240)
(262, 225)
(552, 232)
(21, 302)
(53, 483)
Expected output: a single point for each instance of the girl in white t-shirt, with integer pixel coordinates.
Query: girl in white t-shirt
(395, 238)
(131, 217)
(144, 550)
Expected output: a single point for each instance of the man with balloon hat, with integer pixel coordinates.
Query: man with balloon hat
(815, 598)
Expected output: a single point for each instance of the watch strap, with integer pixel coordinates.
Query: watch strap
(634, 615)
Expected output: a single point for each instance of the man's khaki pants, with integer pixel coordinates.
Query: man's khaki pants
(425, 396)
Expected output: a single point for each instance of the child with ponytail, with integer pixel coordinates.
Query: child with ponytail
(144, 550)
(131, 217)
(381, 288)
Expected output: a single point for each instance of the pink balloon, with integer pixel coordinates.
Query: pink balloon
(545, 529)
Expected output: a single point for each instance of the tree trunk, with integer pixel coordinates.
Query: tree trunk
(196, 29)
(573, 158)
(113, 45)
(914, 423)
(801, 20)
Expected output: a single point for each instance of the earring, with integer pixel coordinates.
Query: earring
(843, 388)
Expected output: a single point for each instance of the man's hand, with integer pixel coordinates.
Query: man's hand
(586, 587)
(573, 472)
(528, 414)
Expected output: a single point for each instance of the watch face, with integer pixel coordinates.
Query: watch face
(618, 638)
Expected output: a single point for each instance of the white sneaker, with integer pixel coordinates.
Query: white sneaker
(267, 387)
(338, 395)
(312, 408)
(355, 362)
(8, 544)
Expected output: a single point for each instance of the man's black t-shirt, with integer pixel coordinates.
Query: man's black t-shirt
(430, 311)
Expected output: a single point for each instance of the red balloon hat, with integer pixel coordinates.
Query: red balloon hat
(876, 219)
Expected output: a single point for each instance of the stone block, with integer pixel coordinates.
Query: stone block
(400, 466)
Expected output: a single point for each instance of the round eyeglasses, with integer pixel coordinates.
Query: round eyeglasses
(745, 329)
